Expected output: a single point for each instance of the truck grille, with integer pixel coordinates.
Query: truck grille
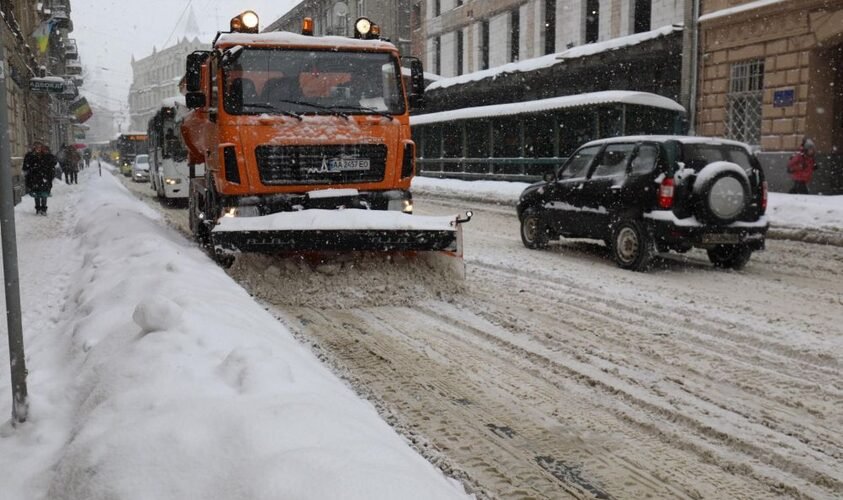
(292, 165)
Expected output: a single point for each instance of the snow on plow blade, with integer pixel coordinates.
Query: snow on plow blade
(339, 231)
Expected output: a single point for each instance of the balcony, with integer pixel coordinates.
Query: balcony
(73, 68)
(70, 50)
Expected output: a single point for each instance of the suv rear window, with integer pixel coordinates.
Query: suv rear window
(697, 156)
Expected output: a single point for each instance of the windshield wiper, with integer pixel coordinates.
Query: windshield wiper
(273, 108)
(366, 108)
(317, 106)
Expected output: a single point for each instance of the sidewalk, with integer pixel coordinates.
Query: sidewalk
(154, 375)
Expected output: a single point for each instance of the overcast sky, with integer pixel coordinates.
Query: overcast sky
(109, 32)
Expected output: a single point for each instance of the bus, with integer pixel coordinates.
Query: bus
(128, 146)
(169, 173)
(522, 141)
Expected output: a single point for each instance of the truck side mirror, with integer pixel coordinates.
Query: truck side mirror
(193, 74)
(194, 100)
(416, 96)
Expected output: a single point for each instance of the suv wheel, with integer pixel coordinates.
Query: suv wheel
(729, 256)
(723, 197)
(632, 245)
(533, 229)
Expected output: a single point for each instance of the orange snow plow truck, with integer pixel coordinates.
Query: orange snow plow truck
(306, 145)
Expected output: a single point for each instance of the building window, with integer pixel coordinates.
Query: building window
(743, 103)
(515, 35)
(459, 57)
(549, 26)
(416, 18)
(437, 8)
(592, 21)
(643, 13)
(437, 55)
(484, 44)
(459, 2)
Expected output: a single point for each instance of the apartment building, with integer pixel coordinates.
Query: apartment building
(771, 73)
(332, 17)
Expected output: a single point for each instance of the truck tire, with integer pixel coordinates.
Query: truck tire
(730, 256)
(632, 245)
(534, 232)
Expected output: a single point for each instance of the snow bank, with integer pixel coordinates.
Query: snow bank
(179, 386)
(784, 210)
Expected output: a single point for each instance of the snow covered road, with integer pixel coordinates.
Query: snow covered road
(554, 374)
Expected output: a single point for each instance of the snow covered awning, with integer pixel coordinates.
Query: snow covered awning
(558, 58)
(739, 9)
(570, 101)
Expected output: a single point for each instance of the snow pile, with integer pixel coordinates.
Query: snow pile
(163, 379)
(783, 211)
(806, 211)
(756, 4)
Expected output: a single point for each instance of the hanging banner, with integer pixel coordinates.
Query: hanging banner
(42, 35)
(81, 110)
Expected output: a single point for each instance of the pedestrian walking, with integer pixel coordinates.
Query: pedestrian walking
(70, 159)
(802, 166)
(87, 156)
(39, 168)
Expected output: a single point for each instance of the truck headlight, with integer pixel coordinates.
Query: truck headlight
(171, 182)
(405, 206)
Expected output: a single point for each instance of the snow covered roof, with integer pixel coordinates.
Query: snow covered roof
(558, 58)
(684, 139)
(738, 9)
(286, 38)
(568, 101)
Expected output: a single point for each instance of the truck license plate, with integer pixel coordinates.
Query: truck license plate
(348, 165)
(721, 239)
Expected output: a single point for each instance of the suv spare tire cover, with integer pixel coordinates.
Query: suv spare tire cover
(722, 192)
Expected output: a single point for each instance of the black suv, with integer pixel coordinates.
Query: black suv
(648, 194)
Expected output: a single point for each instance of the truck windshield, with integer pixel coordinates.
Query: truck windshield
(272, 81)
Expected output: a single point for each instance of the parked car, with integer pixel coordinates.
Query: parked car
(648, 194)
(140, 168)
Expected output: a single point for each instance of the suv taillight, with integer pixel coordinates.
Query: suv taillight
(666, 193)
(764, 196)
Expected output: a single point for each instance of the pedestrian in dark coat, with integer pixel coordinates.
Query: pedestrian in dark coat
(39, 167)
(70, 159)
(802, 166)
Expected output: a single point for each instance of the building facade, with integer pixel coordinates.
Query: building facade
(457, 37)
(771, 74)
(156, 77)
(332, 17)
(34, 115)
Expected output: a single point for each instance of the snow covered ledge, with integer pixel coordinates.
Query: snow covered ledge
(179, 386)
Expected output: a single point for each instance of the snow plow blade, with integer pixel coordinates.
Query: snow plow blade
(347, 230)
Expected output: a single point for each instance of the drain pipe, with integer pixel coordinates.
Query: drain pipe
(690, 63)
(695, 68)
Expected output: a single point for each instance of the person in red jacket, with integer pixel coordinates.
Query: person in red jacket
(801, 166)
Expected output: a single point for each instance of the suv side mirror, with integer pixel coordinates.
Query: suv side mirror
(549, 176)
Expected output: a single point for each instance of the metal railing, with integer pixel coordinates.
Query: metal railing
(498, 169)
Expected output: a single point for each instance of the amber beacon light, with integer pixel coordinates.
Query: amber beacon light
(247, 22)
(307, 26)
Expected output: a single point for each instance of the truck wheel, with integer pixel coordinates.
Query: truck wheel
(632, 245)
(730, 256)
(534, 232)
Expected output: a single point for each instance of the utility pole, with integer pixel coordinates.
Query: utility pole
(20, 403)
